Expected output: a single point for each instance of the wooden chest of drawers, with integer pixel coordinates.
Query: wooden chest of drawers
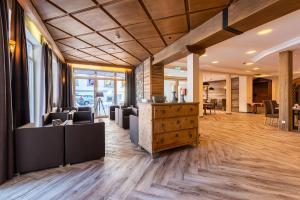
(166, 126)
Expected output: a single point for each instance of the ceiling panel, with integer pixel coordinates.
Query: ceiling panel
(111, 48)
(152, 42)
(69, 57)
(94, 59)
(122, 55)
(135, 48)
(172, 25)
(107, 57)
(77, 53)
(142, 30)
(70, 25)
(155, 50)
(127, 12)
(119, 62)
(164, 8)
(198, 18)
(46, 10)
(73, 5)
(63, 47)
(172, 37)
(195, 5)
(94, 39)
(93, 51)
(75, 43)
(117, 35)
(96, 19)
(56, 33)
(132, 60)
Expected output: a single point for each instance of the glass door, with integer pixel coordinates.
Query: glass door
(104, 96)
(84, 92)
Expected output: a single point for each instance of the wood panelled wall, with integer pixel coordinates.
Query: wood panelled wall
(235, 94)
(149, 80)
(262, 90)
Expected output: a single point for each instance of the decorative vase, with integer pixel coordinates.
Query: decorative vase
(182, 99)
(174, 100)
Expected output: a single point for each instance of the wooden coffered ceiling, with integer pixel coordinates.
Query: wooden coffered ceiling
(121, 32)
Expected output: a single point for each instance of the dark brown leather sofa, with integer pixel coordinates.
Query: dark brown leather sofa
(84, 142)
(47, 118)
(124, 117)
(39, 148)
(112, 113)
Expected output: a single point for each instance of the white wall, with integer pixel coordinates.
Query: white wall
(245, 92)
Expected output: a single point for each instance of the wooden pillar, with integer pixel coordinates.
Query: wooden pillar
(193, 78)
(153, 79)
(201, 94)
(228, 94)
(285, 81)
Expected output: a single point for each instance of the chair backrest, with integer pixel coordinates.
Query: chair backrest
(83, 116)
(85, 109)
(268, 107)
(48, 117)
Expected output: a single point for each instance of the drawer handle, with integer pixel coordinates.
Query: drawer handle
(191, 135)
(192, 121)
(191, 109)
(163, 111)
(162, 125)
(176, 135)
(162, 140)
(178, 122)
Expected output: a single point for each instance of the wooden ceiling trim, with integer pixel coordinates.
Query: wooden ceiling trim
(186, 5)
(97, 64)
(151, 20)
(71, 15)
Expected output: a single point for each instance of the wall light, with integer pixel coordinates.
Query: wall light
(215, 62)
(12, 46)
(248, 63)
(204, 55)
(255, 68)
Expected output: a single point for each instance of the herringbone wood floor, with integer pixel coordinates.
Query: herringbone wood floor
(237, 158)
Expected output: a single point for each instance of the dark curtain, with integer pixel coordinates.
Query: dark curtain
(130, 88)
(47, 64)
(6, 133)
(66, 79)
(19, 83)
(60, 85)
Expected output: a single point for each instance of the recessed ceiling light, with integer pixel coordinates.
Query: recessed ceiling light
(204, 55)
(248, 71)
(250, 52)
(264, 32)
(248, 63)
(215, 62)
(255, 68)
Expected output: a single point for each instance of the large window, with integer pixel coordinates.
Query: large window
(99, 89)
(30, 58)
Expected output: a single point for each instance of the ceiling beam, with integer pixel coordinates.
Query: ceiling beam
(243, 15)
(31, 12)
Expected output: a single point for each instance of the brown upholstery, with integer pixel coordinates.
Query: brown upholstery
(84, 142)
(39, 148)
(83, 117)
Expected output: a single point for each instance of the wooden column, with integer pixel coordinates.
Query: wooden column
(193, 77)
(201, 94)
(153, 79)
(228, 94)
(285, 81)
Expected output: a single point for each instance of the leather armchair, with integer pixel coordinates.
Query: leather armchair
(112, 112)
(124, 117)
(69, 109)
(47, 118)
(85, 109)
(84, 142)
(39, 148)
(134, 126)
(117, 115)
(83, 117)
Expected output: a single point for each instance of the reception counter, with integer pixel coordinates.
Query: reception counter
(165, 126)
